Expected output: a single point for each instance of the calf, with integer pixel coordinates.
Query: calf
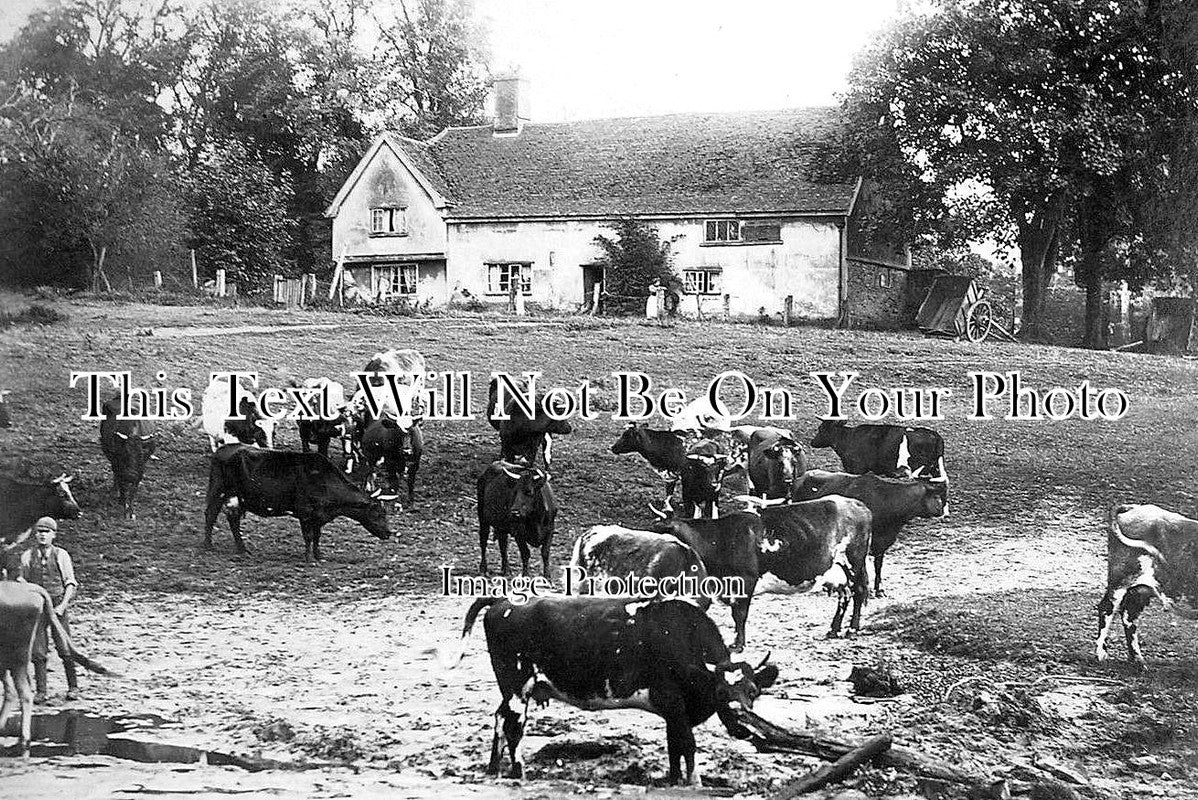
(664, 450)
(825, 541)
(612, 551)
(128, 445)
(5, 421)
(775, 460)
(665, 657)
(252, 428)
(703, 478)
(892, 502)
(1151, 552)
(275, 483)
(515, 499)
(521, 436)
(895, 450)
(727, 548)
(322, 431)
(24, 609)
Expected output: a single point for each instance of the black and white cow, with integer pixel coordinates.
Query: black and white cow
(775, 461)
(892, 450)
(664, 657)
(824, 542)
(893, 502)
(128, 445)
(515, 499)
(613, 551)
(222, 428)
(728, 548)
(1151, 552)
(397, 380)
(276, 483)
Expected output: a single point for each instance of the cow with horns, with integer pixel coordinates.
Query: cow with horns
(515, 499)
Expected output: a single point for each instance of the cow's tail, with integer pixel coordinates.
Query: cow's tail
(1116, 535)
(450, 657)
(62, 640)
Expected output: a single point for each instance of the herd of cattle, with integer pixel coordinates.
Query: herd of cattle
(800, 527)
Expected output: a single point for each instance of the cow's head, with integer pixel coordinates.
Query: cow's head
(135, 448)
(737, 687)
(706, 473)
(5, 421)
(785, 457)
(935, 498)
(67, 507)
(375, 518)
(825, 434)
(634, 439)
(527, 498)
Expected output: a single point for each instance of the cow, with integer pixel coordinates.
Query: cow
(24, 609)
(404, 408)
(128, 445)
(890, 450)
(892, 502)
(22, 503)
(775, 461)
(322, 431)
(1151, 552)
(515, 499)
(825, 541)
(521, 436)
(700, 469)
(727, 548)
(665, 657)
(396, 448)
(613, 551)
(252, 428)
(5, 420)
(274, 483)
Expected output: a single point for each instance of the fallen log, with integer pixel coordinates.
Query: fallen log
(767, 737)
(836, 771)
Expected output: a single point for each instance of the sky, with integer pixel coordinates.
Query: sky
(614, 58)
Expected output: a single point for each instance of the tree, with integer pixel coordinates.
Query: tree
(635, 258)
(1027, 121)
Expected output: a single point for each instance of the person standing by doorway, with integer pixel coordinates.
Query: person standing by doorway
(50, 567)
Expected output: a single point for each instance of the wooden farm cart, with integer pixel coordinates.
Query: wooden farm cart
(956, 307)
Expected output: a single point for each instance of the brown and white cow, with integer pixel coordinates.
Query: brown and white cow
(1151, 552)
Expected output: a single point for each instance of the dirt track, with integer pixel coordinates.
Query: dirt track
(261, 654)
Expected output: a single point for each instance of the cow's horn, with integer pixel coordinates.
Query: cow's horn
(146, 437)
(387, 497)
(917, 472)
(659, 513)
(154, 457)
(513, 475)
(750, 500)
(764, 661)
(121, 435)
(939, 479)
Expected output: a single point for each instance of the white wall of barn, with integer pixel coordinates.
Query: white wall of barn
(806, 264)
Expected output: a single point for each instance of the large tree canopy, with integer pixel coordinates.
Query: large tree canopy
(1048, 125)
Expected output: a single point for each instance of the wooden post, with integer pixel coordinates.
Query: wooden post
(308, 294)
(220, 283)
(659, 302)
(788, 309)
(513, 288)
(195, 276)
(727, 307)
(1017, 300)
(595, 292)
(157, 279)
(278, 293)
(519, 301)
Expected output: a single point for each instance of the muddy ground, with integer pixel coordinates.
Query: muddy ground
(322, 670)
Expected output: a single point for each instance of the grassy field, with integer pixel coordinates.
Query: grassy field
(1001, 593)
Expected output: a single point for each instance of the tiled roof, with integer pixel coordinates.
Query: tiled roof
(677, 164)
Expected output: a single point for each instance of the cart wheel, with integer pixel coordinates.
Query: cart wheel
(978, 321)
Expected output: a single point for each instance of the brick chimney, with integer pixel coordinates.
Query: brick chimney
(511, 104)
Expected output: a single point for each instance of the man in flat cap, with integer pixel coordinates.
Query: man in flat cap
(50, 567)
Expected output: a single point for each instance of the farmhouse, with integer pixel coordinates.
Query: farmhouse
(473, 209)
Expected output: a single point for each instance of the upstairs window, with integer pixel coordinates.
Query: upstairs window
(761, 230)
(394, 280)
(388, 221)
(500, 277)
(722, 230)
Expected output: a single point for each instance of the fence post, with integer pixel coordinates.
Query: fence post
(659, 302)
(788, 309)
(727, 307)
(595, 298)
(220, 283)
(306, 296)
(278, 294)
(195, 278)
(157, 279)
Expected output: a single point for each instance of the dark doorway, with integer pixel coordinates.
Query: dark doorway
(592, 276)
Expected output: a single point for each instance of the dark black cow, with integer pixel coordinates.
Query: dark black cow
(398, 449)
(613, 551)
(703, 478)
(128, 445)
(515, 499)
(276, 483)
(893, 502)
(22, 503)
(5, 420)
(825, 541)
(519, 436)
(728, 549)
(775, 460)
(1151, 552)
(664, 450)
(665, 657)
(322, 431)
(700, 467)
(893, 450)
